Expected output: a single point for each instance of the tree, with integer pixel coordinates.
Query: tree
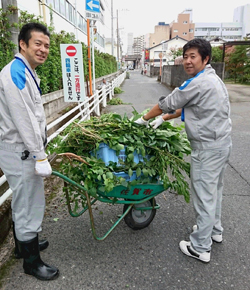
(237, 63)
(217, 52)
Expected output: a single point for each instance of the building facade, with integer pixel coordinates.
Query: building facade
(162, 54)
(130, 44)
(161, 33)
(184, 27)
(242, 15)
(138, 45)
(69, 16)
(228, 31)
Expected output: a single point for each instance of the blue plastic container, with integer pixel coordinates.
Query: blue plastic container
(107, 154)
(125, 175)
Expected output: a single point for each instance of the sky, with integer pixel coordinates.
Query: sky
(141, 16)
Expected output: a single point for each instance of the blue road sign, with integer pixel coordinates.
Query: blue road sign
(93, 6)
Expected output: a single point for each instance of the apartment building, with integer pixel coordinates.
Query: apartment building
(69, 16)
(138, 45)
(242, 15)
(184, 27)
(229, 31)
(130, 43)
(161, 33)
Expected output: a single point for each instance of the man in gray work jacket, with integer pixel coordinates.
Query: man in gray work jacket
(206, 111)
(22, 145)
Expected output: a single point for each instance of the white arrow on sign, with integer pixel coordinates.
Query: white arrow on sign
(92, 5)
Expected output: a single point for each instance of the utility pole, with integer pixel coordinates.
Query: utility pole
(118, 42)
(13, 19)
(112, 29)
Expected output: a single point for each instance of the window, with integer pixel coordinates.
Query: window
(184, 33)
(71, 13)
(57, 5)
(213, 29)
(67, 10)
(191, 30)
(63, 7)
(175, 30)
(185, 22)
(50, 3)
(81, 22)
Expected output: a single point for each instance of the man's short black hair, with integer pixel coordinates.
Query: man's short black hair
(203, 46)
(25, 33)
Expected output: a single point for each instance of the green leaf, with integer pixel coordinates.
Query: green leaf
(110, 175)
(138, 172)
(130, 172)
(130, 157)
(145, 171)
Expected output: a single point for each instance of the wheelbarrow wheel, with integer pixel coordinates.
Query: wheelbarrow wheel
(137, 219)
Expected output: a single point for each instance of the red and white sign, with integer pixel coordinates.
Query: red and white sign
(71, 50)
(73, 72)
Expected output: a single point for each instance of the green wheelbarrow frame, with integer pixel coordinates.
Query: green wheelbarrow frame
(137, 194)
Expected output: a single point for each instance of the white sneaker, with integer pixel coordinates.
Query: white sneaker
(215, 238)
(188, 250)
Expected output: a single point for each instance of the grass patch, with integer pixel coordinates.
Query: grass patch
(7, 260)
(117, 101)
(118, 90)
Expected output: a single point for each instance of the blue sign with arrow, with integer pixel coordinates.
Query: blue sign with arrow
(93, 6)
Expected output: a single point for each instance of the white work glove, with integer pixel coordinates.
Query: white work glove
(141, 121)
(43, 168)
(157, 122)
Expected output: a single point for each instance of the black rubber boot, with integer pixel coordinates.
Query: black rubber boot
(32, 262)
(43, 244)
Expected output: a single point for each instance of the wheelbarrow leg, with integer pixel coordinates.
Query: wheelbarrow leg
(93, 224)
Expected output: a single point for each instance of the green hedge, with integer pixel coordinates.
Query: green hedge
(50, 72)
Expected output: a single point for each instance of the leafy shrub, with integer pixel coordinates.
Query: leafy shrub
(118, 90)
(50, 72)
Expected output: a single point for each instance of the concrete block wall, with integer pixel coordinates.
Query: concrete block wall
(174, 75)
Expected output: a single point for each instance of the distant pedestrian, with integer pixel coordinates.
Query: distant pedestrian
(206, 110)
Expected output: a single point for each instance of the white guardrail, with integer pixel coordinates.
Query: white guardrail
(91, 104)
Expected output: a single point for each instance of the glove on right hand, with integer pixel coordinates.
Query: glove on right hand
(157, 122)
(43, 168)
(141, 121)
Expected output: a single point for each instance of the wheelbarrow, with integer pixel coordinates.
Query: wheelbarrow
(139, 203)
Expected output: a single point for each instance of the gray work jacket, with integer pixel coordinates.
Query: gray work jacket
(22, 117)
(205, 102)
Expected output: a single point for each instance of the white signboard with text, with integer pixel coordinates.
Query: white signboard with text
(73, 73)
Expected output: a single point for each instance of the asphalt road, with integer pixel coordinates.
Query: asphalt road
(150, 258)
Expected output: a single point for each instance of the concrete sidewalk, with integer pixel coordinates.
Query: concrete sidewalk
(150, 259)
(238, 93)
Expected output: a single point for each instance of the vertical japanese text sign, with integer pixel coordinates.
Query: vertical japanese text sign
(72, 71)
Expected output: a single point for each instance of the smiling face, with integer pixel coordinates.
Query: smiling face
(36, 52)
(192, 62)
